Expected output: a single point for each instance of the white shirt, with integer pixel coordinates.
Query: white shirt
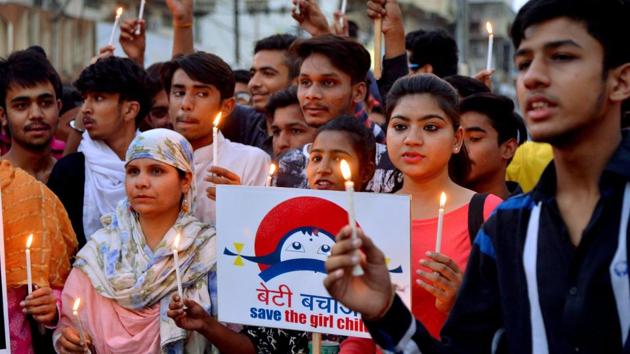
(250, 163)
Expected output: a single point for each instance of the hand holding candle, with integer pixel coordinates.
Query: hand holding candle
(118, 14)
(176, 262)
(490, 45)
(75, 312)
(438, 240)
(215, 139)
(344, 5)
(272, 170)
(347, 175)
(29, 278)
(140, 15)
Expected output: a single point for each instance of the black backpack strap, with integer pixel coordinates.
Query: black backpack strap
(475, 214)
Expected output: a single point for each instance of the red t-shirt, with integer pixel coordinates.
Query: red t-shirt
(455, 244)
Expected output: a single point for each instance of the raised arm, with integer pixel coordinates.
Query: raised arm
(182, 11)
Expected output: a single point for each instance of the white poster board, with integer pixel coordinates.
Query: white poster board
(5, 344)
(272, 245)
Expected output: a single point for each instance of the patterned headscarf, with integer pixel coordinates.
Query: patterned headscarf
(169, 147)
(122, 267)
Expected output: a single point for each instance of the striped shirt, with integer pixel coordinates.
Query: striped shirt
(528, 289)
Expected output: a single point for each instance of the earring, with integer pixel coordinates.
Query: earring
(185, 205)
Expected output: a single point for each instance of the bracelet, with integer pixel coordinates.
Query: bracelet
(185, 25)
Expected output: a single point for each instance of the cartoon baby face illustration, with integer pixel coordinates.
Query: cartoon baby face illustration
(306, 244)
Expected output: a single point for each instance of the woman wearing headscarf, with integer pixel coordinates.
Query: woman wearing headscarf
(125, 274)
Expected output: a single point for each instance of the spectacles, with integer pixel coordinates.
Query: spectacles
(158, 112)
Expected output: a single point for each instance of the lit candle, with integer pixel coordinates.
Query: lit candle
(176, 261)
(29, 279)
(347, 175)
(272, 170)
(215, 139)
(140, 15)
(75, 312)
(440, 225)
(490, 44)
(118, 14)
(344, 5)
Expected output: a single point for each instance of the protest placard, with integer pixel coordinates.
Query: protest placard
(272, 245)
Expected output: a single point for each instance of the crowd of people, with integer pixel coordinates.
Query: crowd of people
(108, 172)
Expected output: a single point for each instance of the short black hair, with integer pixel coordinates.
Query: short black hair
(242, 76)
(27, 68)
(360, 136)
(70, 99)
(410, 37)
(344, 54)
(499, 110)
(467, 86)
(121, 76)
(281, 99)
(281, 42)
(353, 29)
(203, 67)
(436, 48)
(606, 20)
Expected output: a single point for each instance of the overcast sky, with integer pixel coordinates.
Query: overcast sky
(518, 4)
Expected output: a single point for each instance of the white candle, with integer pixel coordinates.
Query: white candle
(440, 225)
(118, 14)
(215, 139)
(140, 15)
(297, 8)
(29, 279)
(176, 261)
(272, 170)
(490, 45)
(344, 5)
(347, 175)
(10, 38)
(75, 312)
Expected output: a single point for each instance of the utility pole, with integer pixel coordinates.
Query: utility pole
(237, 34)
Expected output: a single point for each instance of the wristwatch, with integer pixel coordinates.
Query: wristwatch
(73, 125)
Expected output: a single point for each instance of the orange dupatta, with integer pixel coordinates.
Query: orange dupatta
(29, 207)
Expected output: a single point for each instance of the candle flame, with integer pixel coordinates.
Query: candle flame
(29, 241)
(489, 28)
(442, 200)
(176, 242)
(272, 169)
(345, 170)
(119, 12)
(75, 307)
(217, 119)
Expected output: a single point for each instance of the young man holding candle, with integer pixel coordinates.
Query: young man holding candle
(117, 96)
(29, 208)
(30, 100)
(201, 85)
(549, 270)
